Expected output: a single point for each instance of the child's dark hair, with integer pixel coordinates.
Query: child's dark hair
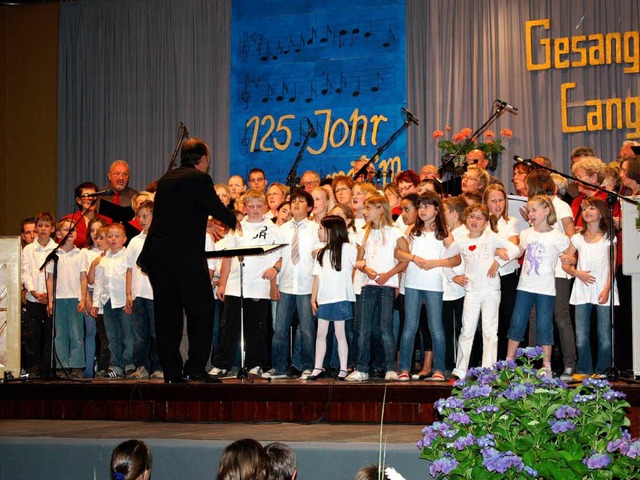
(437, 186)
(286, 202)
(130, 460)
(302, 193)
(85, 186)
(336, 234)
(243, 460)
(484, 211)
(99, 220)
(282, 461)
(605, 217)
(148, 204)
(349, 213)
(431, 198)
(26, 221)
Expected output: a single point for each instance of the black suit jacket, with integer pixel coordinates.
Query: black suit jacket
(184, 200)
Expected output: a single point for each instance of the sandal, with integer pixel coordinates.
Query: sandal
(404, 377)
(340, 377)
(437, 377)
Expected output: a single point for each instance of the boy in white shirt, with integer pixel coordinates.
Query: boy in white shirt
(259, 287)
(110, 291)
(140, 303)
(295, 284)
(37, 329)
(70, 294)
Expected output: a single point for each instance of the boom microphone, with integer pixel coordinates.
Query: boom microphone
(106, 192)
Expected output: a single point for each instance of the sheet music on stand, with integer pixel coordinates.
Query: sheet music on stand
(244, 251)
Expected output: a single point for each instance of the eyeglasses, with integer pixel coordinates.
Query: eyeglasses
(469, 177)
(342, 189)
(119, 174)
(312, 183)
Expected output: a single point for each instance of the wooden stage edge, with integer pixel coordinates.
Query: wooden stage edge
(234, 401)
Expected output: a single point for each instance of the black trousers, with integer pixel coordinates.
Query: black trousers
(179, 289)
(36, 339)
(256, 330)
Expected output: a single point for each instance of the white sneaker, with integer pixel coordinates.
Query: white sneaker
(567, 375)
(218, 372)
(140, 373)
(255, 372)
(391, 375)
(306, 374)
(357, 376)
(273, 374)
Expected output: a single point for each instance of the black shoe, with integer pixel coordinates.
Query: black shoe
(380, 373)
(320, 374)
(201, 378)
(341, 377)
(176, 381)
(294, 373)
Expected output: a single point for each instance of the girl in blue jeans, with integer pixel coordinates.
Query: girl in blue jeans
(425, 250)
(542, 246)
(592, 288)
(376, 259)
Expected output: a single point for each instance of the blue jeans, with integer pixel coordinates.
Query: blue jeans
(412, 304)
(583, 326)
(376, 310)
(117, 323)
(145, 350)
(90, 331)
(287, 304)
(69, 340)
(544, 317)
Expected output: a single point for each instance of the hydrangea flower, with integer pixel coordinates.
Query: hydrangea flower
(516, 391)
(597, 461)
(583, 398)
(531, 471)
(449, 402)
(442, 466)
(474, 391)
(561, 426)
(461, 443)
(487, 408)
(596, 382)
(529, 352)
(486, 441)
(496, 461)
(610, 395)
(460, 417)
(565, 411)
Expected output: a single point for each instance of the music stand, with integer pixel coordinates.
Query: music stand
(242, 252)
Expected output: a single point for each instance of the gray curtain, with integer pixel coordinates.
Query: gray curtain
(464, 54)
(129, 72)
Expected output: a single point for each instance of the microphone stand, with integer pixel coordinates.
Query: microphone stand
(409, 118)
(292, 178)
(612, 197)
(53, 256)
(182, 134)
(449, 158)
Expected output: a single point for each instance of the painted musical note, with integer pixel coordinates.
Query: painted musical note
(294, 97)
(312, 94)
(356, 92)
(283, 89)
(379, 80)
(342, 38)
(327, 87)
(269, 94)
(329, 33)
(279, 50)
(343, 83)
(265, 57)
(391, 36)
(313, 36)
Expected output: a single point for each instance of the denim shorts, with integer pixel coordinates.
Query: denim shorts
(335, 311)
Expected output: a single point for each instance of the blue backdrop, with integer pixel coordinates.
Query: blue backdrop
(338, 65)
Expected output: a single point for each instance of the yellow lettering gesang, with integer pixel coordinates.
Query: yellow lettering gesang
(544, 52)
(605, 114)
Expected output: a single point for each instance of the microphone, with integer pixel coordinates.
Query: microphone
(410, 116)
(312, 131)
(183, 130)
(506, 105)
(107, 192)
(520, 159)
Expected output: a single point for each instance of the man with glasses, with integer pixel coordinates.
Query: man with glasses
(257, 180)
(310, 180)
(479, 158)
(122, 194)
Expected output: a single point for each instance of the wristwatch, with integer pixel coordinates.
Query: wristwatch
(276, 268)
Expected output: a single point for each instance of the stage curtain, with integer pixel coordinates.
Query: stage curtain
(129, 71)
(464, 54)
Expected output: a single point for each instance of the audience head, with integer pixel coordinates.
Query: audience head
(131, 460)
(579, 152)
(243, 460)
(282, 460)
(28, 231)
(407, 181)
(429, 171)
(478, 158)
(342, 186)
(309, 180)
(257, 180)
(224, 193)
(118, 176)
(237, 186)
(276, 194)
(475, 180)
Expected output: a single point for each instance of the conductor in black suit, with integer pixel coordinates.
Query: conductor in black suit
(174, 258)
